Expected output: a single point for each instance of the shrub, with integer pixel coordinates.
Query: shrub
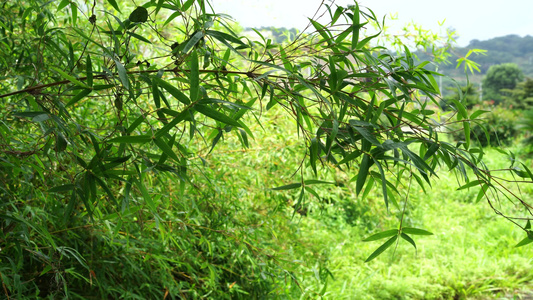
(496, 128)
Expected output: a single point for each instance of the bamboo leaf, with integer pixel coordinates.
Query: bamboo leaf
(383, 183)
(355, 27)
(82, 94)
(139, 37)
(166, 149)
(313, 153)
(114, 4)
(525, 241)
(194, 77)
(382, 248)
(173, 91)
(409, 239)
(122, 74)
(193, 41)
(291, 186)
(62, 188)
(187, 5)
(216, 115)
(466, 129)
(470, 184)
(416, 231)
(70, 78)
(89, 71)
(180, 117)
(381, 235)
(363, 173)
(133, 139)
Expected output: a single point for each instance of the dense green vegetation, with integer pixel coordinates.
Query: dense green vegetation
(149, 150)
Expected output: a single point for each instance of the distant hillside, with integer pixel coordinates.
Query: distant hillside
(505, 49)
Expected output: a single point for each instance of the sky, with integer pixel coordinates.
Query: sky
(472, 19)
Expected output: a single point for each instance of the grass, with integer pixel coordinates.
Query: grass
(470, 256)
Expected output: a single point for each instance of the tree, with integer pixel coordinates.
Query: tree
(469, 93)
(500, 77)
(109, 114)
(521, 97)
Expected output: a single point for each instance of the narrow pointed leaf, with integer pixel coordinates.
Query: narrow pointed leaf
(363, 173)
(215, 115)
(416, 231)
(122, 74)
(291, 186)
(409, 239)
(194, 77)
(471, 184)
(166, 149)
(382, 248)
(381, 235)
(89, 70)
(70, 78)
(173, 91)
(134, 139)
(114, 4)
(524, 242)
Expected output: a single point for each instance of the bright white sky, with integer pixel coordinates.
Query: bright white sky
(472, 19)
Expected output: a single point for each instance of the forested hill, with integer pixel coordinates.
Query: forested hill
(504, 49)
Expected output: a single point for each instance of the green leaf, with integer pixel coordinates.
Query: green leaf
(314, 181)
(382, 248)
(415, 231)
(383, 183)
(466, 129)
(63, 4)
(173, 91)
(139, 15)
(61, 142)
(432, 149)
(460, 108)
(166, 149)
(193, 41)
(363, 173)
(82, 94)
(46, 270)
(146, 196)
(381, 235)
(313, 153)
(471, 184)
(141, 38)
(70, 78)
(291, 186)
(367, 135)
(355, 27)
(89, 71)
(409, 239)
(216, 115)
(482, 192)
(180, 117)
(114, 4)
(62, 188)
(529, 173)
(478, 113)
(122, 74)
(524, 242)
(323, 31)
(133, 139)
(223, 37)
(194, 77)
(187, 5)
